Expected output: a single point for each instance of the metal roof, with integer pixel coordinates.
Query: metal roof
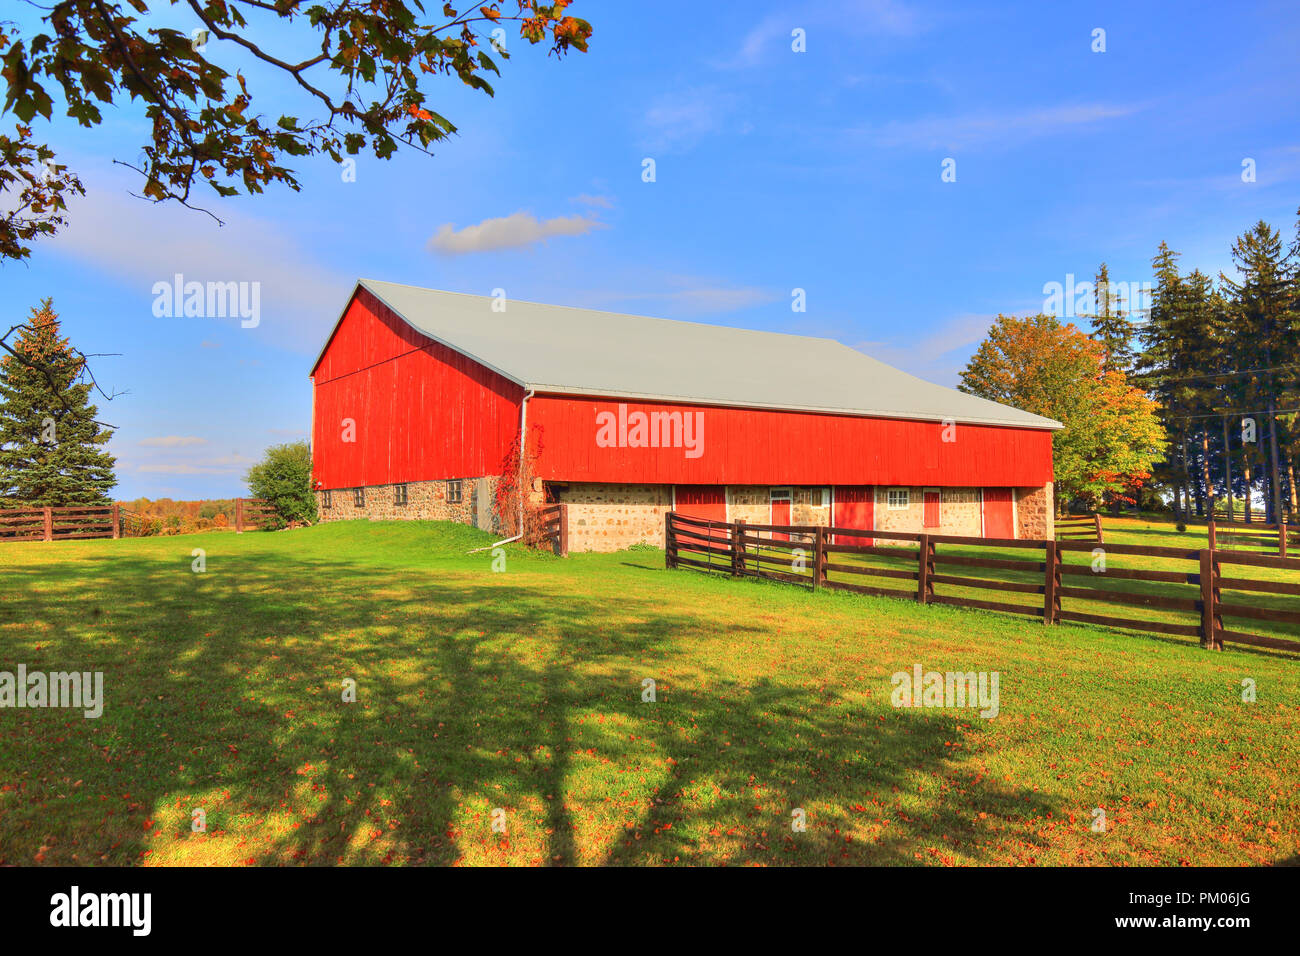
(556, 349)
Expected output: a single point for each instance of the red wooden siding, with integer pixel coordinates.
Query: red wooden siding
(762, 447)
(707, 502)
(422, 411)
(931, 517)
(855, 507)
(998, 519)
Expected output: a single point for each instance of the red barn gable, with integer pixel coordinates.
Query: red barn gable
(419, 396)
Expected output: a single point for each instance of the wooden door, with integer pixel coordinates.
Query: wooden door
(780, 512)
(999, 520)
(855, 507)
(708, 502)
(931, 519)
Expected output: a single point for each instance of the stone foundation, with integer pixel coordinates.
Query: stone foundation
(425, 501)
(1034, 512)
(610, 517)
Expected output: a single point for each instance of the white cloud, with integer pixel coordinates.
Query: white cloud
(586, 199)
(226, 465)
(937, 357)
(507, 232)
(681, 119)
(952, 132)
(173, 441)
(138, 243)
(685, 295)
(877, 17)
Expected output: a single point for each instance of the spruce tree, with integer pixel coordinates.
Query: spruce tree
(1111, 327)
(1160, 367)
(1265, 326)
(51, 446)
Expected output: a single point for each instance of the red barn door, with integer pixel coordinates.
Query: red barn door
(780, 511)
(707, 502)
(931, 519)
(999, 521)
(855, 507)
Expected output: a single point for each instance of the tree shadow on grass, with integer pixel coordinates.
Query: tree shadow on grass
(474, 693)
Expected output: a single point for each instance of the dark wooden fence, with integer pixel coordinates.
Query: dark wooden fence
(1240, 536)
(1079, 526)
(60, 524)
(251, 513)
(553, 529)
(1056, 581)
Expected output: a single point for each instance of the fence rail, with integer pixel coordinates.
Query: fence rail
(69, 523)
(1043, 579)
(251, 513)
(1082, 526)
(553, 530)
(1240, 535)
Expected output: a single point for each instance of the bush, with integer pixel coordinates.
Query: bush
(283, 479)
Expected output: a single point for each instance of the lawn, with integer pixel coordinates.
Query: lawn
(521, 691)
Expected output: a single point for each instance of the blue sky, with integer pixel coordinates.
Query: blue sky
(775, 170)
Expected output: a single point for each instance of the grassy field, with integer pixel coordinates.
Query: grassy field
(521, 691)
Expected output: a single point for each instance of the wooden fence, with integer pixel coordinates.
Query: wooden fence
(251, 513)
(946, 569)
(60, 524)
(1239, 536)
(1080, 526)
(553, 530)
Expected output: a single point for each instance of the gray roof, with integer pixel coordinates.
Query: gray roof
(551, 348)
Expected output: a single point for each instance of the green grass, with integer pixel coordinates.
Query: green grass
(522, 691)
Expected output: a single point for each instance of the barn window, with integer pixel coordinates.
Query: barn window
(399, 494)
(899, 498)
(358, 497)
(453, 492)
(326, 500)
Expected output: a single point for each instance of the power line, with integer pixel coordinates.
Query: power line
(1188, 378)
(1265, 414)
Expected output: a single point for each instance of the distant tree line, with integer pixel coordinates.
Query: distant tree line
(1222, 360)
(1191, 403)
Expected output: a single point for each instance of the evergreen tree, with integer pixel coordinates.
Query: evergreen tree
(1265, 324)
(51, 447)
(1159, 368)
(1110, 326)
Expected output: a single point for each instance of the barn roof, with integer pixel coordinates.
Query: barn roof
(557, 349)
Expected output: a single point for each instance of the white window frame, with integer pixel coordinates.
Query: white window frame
(889, 499)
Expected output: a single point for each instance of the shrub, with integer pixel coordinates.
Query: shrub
(283, 479)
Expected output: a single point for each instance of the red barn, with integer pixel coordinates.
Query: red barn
(419, 397)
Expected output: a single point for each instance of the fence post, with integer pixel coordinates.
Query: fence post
(239, 516)
(738, 555)
(670, 543)
(819, 557)
(923, 586)
(1281, 539)
(1051, 581)
(1209, 601)
(1213, 534)
(48, 516)
(564, 529)
(1097, 519)
(117, 521)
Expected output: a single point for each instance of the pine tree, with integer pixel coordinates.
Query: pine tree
(51, 447)
(1111, 327)
(1265, 324)
(1160, 366)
